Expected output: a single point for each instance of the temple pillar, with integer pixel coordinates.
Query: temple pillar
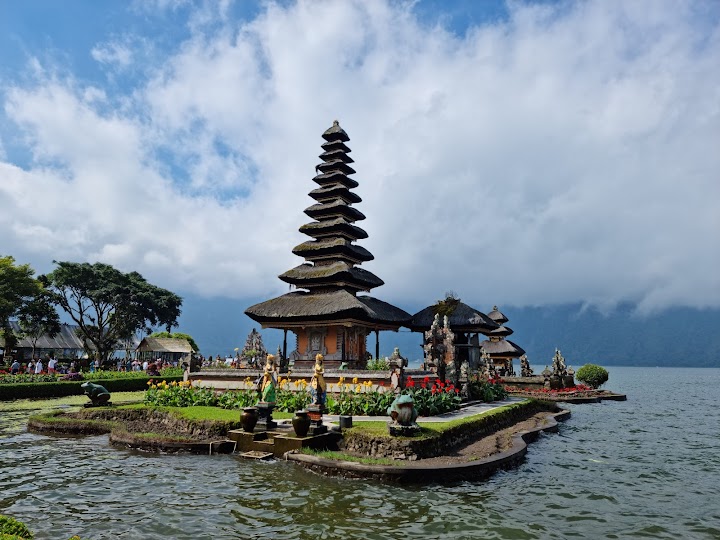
(377, 344)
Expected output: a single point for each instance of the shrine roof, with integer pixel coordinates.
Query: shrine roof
(502, 347)
(501, 331)
(330, 273)
(498, 317)
(463, 319)
(300, 306)
(328, 226)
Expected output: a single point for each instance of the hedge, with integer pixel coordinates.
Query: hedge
(72, 388)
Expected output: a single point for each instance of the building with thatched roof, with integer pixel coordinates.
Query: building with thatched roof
(328, 316)
(502, 351)
(171, 350)
(467, 323)
(65, 344)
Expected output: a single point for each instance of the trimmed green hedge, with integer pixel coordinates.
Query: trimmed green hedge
(72, 388)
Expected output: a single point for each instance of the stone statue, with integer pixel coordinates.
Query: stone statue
(397, 363)
(558, 365)
(403, 416)
(98, 394)
(317, 383)
(525, 369)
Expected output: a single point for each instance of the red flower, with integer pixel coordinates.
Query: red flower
(410, 383)
(434, 390)
(423, 385)
(441, 384)
(381, 383)
(426, 380)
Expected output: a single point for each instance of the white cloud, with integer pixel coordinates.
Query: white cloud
(567, 154)
(113, 53)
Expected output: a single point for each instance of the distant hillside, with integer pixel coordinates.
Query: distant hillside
(676, 337)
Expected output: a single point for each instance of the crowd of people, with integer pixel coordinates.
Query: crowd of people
(50, 365)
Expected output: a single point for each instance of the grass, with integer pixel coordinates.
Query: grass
(429, 429)
(69, 401)
(340, 456)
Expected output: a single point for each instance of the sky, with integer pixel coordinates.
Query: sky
(521, 153)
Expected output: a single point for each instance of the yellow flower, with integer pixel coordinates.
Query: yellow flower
(355, 380)
(348, 387)
(341, 380)
(368, 383)
(358, 388)
(173, 383)
(149, 382)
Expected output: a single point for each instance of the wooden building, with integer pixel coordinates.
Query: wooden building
(172, 350)
(328, 315)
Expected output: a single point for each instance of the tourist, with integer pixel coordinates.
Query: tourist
(51, 365)
(73, 367)
(15, 367)
(38, 367)
(145, 365)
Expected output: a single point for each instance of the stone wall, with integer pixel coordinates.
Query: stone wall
(359, 442)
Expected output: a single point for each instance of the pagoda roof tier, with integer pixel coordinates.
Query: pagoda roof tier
(331, 155)
(335, 145)
(335, 208)
(333, 227)
(335, 165)
(335, 191)
(335, 133)
(463, 319)
(300, 308)
(498, 317)
(338, 248)
(500, 331)
(502, 348)
(337, 274)
(335, 177)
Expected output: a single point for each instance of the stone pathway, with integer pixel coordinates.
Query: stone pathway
(468, 410)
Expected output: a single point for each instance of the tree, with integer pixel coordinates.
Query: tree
(592, 375)
(17, 288)
(178, 335)
(38, 317)
(108, 305)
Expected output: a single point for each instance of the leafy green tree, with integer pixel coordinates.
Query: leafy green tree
(178, 335)
(38, 317)
(108, 305)
(592, 375)
(18, 286)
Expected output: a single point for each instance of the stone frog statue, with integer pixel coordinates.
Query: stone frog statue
(97, 394)
(403, 413)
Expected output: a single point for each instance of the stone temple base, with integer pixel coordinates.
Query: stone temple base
(396, 430)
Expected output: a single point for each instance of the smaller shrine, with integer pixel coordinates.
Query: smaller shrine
(254, 350)
(502, 351)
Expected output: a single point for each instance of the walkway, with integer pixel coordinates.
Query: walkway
(469, 409)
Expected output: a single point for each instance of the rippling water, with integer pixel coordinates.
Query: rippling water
(648, 467)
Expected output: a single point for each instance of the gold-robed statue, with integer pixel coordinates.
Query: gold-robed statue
(267, 390)
(317, 383)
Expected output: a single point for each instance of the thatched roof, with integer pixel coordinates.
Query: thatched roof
(334, 208)
(340, 248)
(335, 133)
(337, 153)
(302, 306)
(307, 275)
(333, 227)
(463, 319)
(336, 165)
(503, 347)
(335, 145)
(501, 331)
(335, 191)
(164, 345)
(335, 177)
(66, 339)
(498, 317)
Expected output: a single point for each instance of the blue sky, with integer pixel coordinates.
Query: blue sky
(521, 153)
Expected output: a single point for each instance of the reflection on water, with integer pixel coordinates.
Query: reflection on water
(648, 467)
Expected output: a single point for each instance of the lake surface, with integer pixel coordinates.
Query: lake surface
(648, 468)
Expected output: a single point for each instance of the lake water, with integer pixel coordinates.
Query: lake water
(648, 468)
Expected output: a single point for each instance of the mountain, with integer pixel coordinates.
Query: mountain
(674, 337)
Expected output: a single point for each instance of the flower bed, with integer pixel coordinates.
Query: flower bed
(578, 391)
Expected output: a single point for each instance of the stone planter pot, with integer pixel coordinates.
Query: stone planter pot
(249, 418)
(301, 423)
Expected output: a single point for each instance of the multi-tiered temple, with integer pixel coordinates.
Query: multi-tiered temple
(328, 316)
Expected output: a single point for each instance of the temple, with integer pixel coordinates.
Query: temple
(501, 350)
(327, 316)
